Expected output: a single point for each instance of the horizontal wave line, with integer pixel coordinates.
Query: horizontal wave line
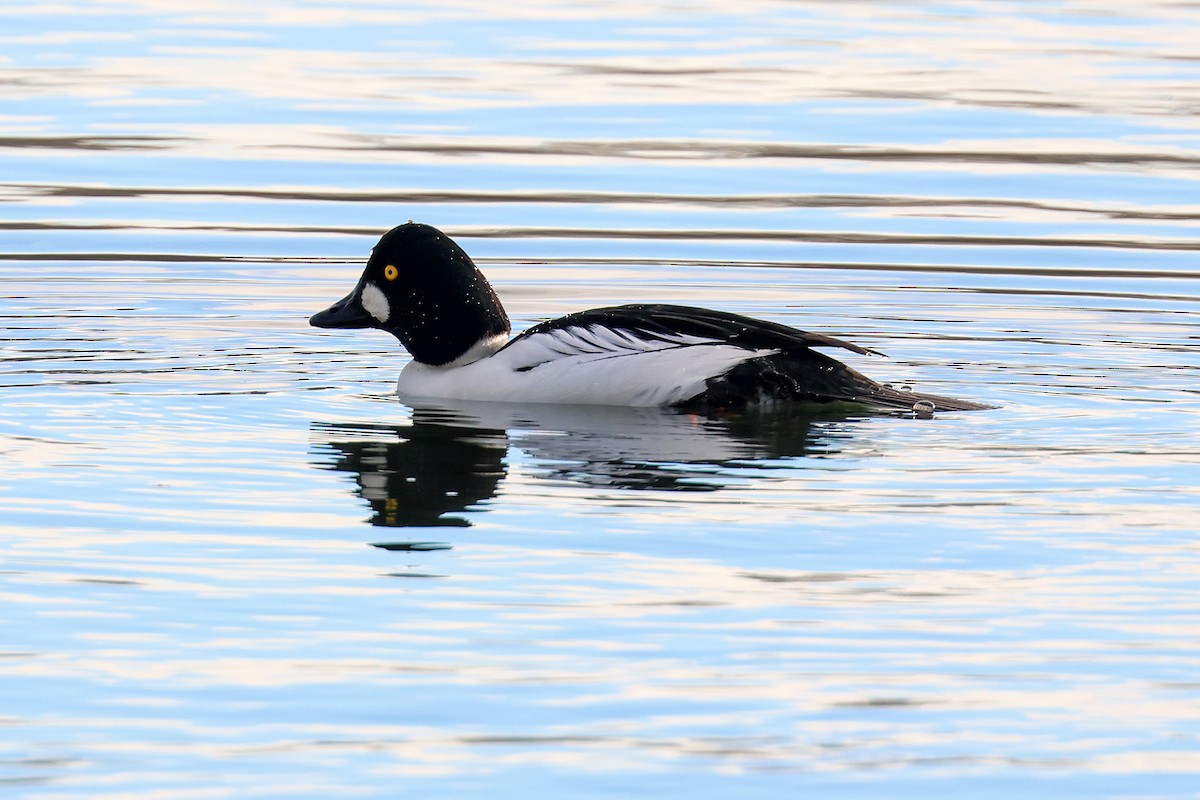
(673, 149)
(188, 258)
(132, 142)
(853, 266)
(971, 269)
(595, 197)
(810, 237)
(651, 149)
(832, 237)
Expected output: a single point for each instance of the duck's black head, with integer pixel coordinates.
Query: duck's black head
(422, 288)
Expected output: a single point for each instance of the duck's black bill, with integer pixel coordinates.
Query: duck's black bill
(345, 313)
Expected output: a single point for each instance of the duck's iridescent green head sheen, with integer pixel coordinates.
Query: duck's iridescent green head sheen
(421, 287)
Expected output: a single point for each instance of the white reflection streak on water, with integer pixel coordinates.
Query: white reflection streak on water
(887, 58)
(825, 653)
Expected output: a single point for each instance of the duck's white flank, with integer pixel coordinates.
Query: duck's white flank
(593, 365)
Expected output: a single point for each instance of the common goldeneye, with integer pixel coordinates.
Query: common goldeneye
(421, 287)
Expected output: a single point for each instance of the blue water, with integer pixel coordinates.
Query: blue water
(234, 565)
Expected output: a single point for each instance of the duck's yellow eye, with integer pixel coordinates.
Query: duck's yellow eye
(390, 272)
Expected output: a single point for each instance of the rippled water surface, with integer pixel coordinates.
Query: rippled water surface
(234, 566)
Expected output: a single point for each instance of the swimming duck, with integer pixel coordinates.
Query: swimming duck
(421, 287)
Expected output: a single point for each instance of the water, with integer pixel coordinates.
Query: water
(599, 602)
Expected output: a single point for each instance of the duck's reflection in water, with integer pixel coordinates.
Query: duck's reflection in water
(454, 456)
(417, 475)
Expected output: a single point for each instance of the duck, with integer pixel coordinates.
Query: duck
(420, 286)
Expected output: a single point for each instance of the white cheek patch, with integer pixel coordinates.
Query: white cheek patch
(375, 302)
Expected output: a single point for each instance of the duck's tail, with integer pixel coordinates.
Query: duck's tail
(806, 376)
(883, 396)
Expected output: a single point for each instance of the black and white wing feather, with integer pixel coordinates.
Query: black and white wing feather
(668, 323)
(707, 359)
